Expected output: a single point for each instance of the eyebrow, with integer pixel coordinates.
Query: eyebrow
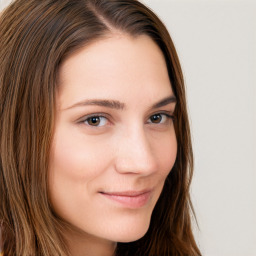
(104, 103)
(165, 101)
(115, 104)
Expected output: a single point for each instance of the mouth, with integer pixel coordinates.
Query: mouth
(129, 199)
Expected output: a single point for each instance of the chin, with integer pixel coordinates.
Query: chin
(130, 233)
(131, 237)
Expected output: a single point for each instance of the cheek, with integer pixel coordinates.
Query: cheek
(74, 166)
(75, 157)
(166, 152)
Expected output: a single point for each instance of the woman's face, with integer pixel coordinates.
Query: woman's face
(114, 142)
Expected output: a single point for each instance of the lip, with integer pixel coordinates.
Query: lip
(129, 199)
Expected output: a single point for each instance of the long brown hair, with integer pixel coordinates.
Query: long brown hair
(35, 38)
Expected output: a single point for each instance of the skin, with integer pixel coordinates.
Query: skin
(132, 148)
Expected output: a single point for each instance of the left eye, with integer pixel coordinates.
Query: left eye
(96, 121)
(159, 118)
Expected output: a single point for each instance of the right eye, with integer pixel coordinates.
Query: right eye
(96, 121)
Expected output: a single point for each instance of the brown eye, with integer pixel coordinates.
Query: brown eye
(157, 118)
(160, 118)
(96, 121)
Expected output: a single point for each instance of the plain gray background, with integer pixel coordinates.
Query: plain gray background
(216, 42)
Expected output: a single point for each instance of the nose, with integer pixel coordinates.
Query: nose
(134, 154)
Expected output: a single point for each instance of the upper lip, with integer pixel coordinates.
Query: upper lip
(130, 193)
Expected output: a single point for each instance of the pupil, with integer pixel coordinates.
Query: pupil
(156, 118)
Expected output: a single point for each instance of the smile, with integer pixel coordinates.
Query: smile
(129, 199)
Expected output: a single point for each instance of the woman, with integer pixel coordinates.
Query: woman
(96, 157)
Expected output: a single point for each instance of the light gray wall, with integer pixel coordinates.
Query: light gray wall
(4, 3)
(216, 42)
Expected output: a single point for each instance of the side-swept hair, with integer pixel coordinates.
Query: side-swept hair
(36, 36)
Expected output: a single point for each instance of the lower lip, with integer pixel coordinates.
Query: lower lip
(130, 201)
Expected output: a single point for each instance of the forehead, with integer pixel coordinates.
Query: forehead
(116, 66)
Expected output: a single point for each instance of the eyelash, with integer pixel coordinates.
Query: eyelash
(101, 115)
